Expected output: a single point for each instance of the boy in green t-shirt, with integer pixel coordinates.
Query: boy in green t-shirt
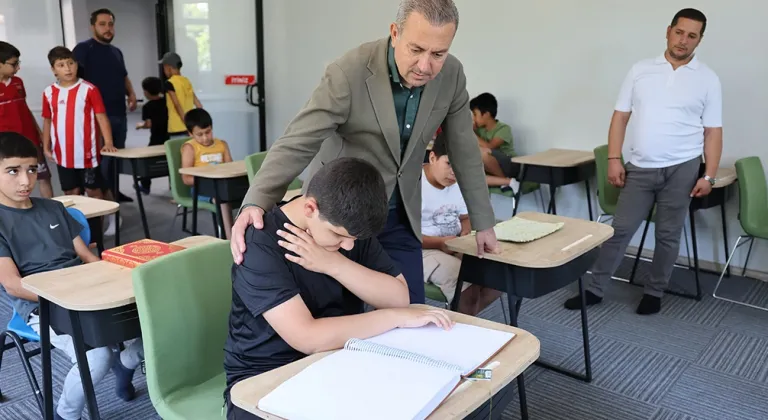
(496, 143)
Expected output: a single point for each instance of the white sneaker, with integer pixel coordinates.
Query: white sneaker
(515, 185)
(111, 225)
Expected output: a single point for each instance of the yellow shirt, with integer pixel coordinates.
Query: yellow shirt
(208, 155)
(186, 97)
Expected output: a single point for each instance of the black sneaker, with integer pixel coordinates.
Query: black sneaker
(649, 305)
(122, 198)
(575, 302)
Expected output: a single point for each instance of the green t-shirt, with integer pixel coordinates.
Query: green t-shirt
(502, 131)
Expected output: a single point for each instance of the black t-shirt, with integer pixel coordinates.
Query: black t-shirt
(265, 279)
(157, 112)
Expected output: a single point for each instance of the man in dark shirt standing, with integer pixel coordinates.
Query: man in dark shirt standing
(306, 274)
(103, 65)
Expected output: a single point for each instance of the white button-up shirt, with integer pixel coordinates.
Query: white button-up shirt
(670, 109)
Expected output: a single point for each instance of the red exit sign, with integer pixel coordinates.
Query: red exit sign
(240, 79)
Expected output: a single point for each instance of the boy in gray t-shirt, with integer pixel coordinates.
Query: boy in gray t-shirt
(39, 235)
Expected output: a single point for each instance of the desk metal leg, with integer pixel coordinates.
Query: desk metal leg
(219, 216)
(139, 199)
(82, 365)
(695, 246)
(589, 199)
(552, 191)
(116, 193)
(519, 193)
(194, 206)
(725, 238)
(587, 376)
(45, 344)
(523, 399)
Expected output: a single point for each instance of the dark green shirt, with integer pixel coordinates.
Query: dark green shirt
(406, 106)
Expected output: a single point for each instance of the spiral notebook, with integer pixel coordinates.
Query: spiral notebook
(402, 374)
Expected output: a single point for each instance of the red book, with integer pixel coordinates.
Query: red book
(137, 253)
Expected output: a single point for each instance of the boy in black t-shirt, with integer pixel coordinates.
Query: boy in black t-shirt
(306, 274)
(154, 116)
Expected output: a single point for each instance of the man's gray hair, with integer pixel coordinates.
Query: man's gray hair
(437, 12)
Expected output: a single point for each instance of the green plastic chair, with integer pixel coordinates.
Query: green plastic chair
(253, 164)
(182, 193)
(433, 292)
(753, 214)
(527, 187)
(183, 300)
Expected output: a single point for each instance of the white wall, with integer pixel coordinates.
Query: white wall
(555, 67)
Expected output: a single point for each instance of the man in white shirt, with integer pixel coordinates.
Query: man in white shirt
(444, 217)
(676, 103)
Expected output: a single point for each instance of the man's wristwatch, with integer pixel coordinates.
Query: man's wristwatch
(710, 180)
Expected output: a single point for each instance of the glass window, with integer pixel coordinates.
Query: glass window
(34, 27)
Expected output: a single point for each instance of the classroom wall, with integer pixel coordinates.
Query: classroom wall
(555, 66)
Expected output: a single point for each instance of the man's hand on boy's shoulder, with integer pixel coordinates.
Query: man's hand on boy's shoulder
(308, 254)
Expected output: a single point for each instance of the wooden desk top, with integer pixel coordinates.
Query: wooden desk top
(724, 177)
(515, 357)
(553, 250)
(95, 286)
(557, 158)
(221, 171)
(91, 207)
(138, 152)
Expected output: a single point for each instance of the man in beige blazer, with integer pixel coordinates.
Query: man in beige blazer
(382, 102)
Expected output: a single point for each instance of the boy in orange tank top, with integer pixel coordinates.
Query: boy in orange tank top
(204, 149)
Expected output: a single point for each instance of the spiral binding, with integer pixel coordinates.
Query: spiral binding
(355, 344)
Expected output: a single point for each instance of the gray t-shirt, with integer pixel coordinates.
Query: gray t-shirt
(38, 239)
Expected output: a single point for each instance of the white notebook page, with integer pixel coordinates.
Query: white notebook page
(351, 385)
(464, 345)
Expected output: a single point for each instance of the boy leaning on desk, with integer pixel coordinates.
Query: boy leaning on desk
(39, 235)
(305, 276)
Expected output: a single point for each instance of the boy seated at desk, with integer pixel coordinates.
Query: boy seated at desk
(204, 149)
(39, 235)
(444, 216)
(306, 274)
(496, 143)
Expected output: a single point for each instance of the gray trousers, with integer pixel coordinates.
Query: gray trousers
(669, 188)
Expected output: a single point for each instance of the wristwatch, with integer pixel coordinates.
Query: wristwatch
(710, 180)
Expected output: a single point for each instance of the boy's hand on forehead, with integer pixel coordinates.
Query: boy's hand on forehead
(308, 254)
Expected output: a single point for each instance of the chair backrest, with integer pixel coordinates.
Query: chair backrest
(607, 194)
(85, 234)
(183, 300)
(253, 164)
(179, 190)
(753, 196)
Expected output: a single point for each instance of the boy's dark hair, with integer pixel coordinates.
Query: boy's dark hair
(484, 102)
(691, 14)
(59, 53)
(350, 193)
(153, 85)
(14, 145)
(8, 51)
(438, 146)
(197, 117)
(95, 14)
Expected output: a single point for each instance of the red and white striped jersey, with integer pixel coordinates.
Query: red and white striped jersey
(74, 130)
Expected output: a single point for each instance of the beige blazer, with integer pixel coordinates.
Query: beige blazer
(352, 114)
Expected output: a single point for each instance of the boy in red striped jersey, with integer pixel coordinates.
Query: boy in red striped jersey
(15, 115)
(74, 116)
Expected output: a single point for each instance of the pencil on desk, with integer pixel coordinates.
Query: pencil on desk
(577, 242)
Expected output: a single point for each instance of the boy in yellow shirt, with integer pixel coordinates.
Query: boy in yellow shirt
(202, 150)
(180, 96)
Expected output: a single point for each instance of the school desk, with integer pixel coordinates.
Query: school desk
(143, 162)
(95, 304)
(534, 269)
(556, 167)
(514, 358)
